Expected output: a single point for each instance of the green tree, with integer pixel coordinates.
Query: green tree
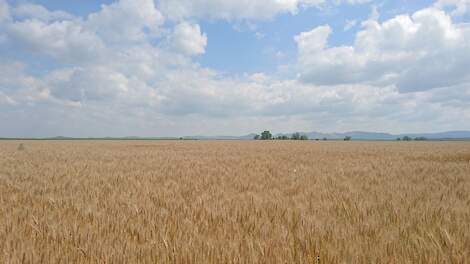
(304, 137)
(266, 135)
(296, 136)
(347, 138)
(256, 137)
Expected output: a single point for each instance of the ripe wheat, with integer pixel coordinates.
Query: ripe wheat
(234, 202)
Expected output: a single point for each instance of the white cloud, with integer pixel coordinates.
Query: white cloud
(101, 35)
(188, 39)
(461, 7)
(354, 2)
(123, 71)
(18, 86)
(91, 83)
(65, 40)
(4, 99)
(313, 41)
(125, 20)
(419, 52)
(232, 9)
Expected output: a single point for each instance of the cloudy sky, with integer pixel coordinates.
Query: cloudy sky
(232, 67)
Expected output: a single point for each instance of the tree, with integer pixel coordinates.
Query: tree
(406, 138)
(266, 135)
(303, 137)
(325, 139)
(256, 137)
(347, 138)
(296, 136)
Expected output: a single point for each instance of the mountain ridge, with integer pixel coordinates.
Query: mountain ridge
(355, 135)
(366, 135)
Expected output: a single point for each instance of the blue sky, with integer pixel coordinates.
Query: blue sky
(76, 7)
(183, 67)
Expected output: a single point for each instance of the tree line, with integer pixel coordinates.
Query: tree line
(266, 135)
(407, 138)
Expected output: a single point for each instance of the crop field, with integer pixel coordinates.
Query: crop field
(234, 202)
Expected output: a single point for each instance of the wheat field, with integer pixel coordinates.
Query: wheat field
(234, 202)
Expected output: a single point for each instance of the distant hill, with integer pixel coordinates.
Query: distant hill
(362, 135)
(245, 137)
(355, 135)
(444, 135)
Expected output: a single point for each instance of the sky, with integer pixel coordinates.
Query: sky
(232, 67)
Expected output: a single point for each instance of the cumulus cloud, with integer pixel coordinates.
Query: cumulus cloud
(123, 71)
(188, 39)
(84, 84)
(72, 39)
(97, 57)
(419, 52)
(358, 1)
(65, 40)
(461, 7)
(126, 20)
(18, 86)
(241, 9)
(232, 9)
(68, 39)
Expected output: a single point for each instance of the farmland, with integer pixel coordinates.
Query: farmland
(234, 202)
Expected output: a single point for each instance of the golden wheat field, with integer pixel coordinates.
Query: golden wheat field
(234, 202)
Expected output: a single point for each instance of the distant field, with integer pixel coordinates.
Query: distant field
(234, 202)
